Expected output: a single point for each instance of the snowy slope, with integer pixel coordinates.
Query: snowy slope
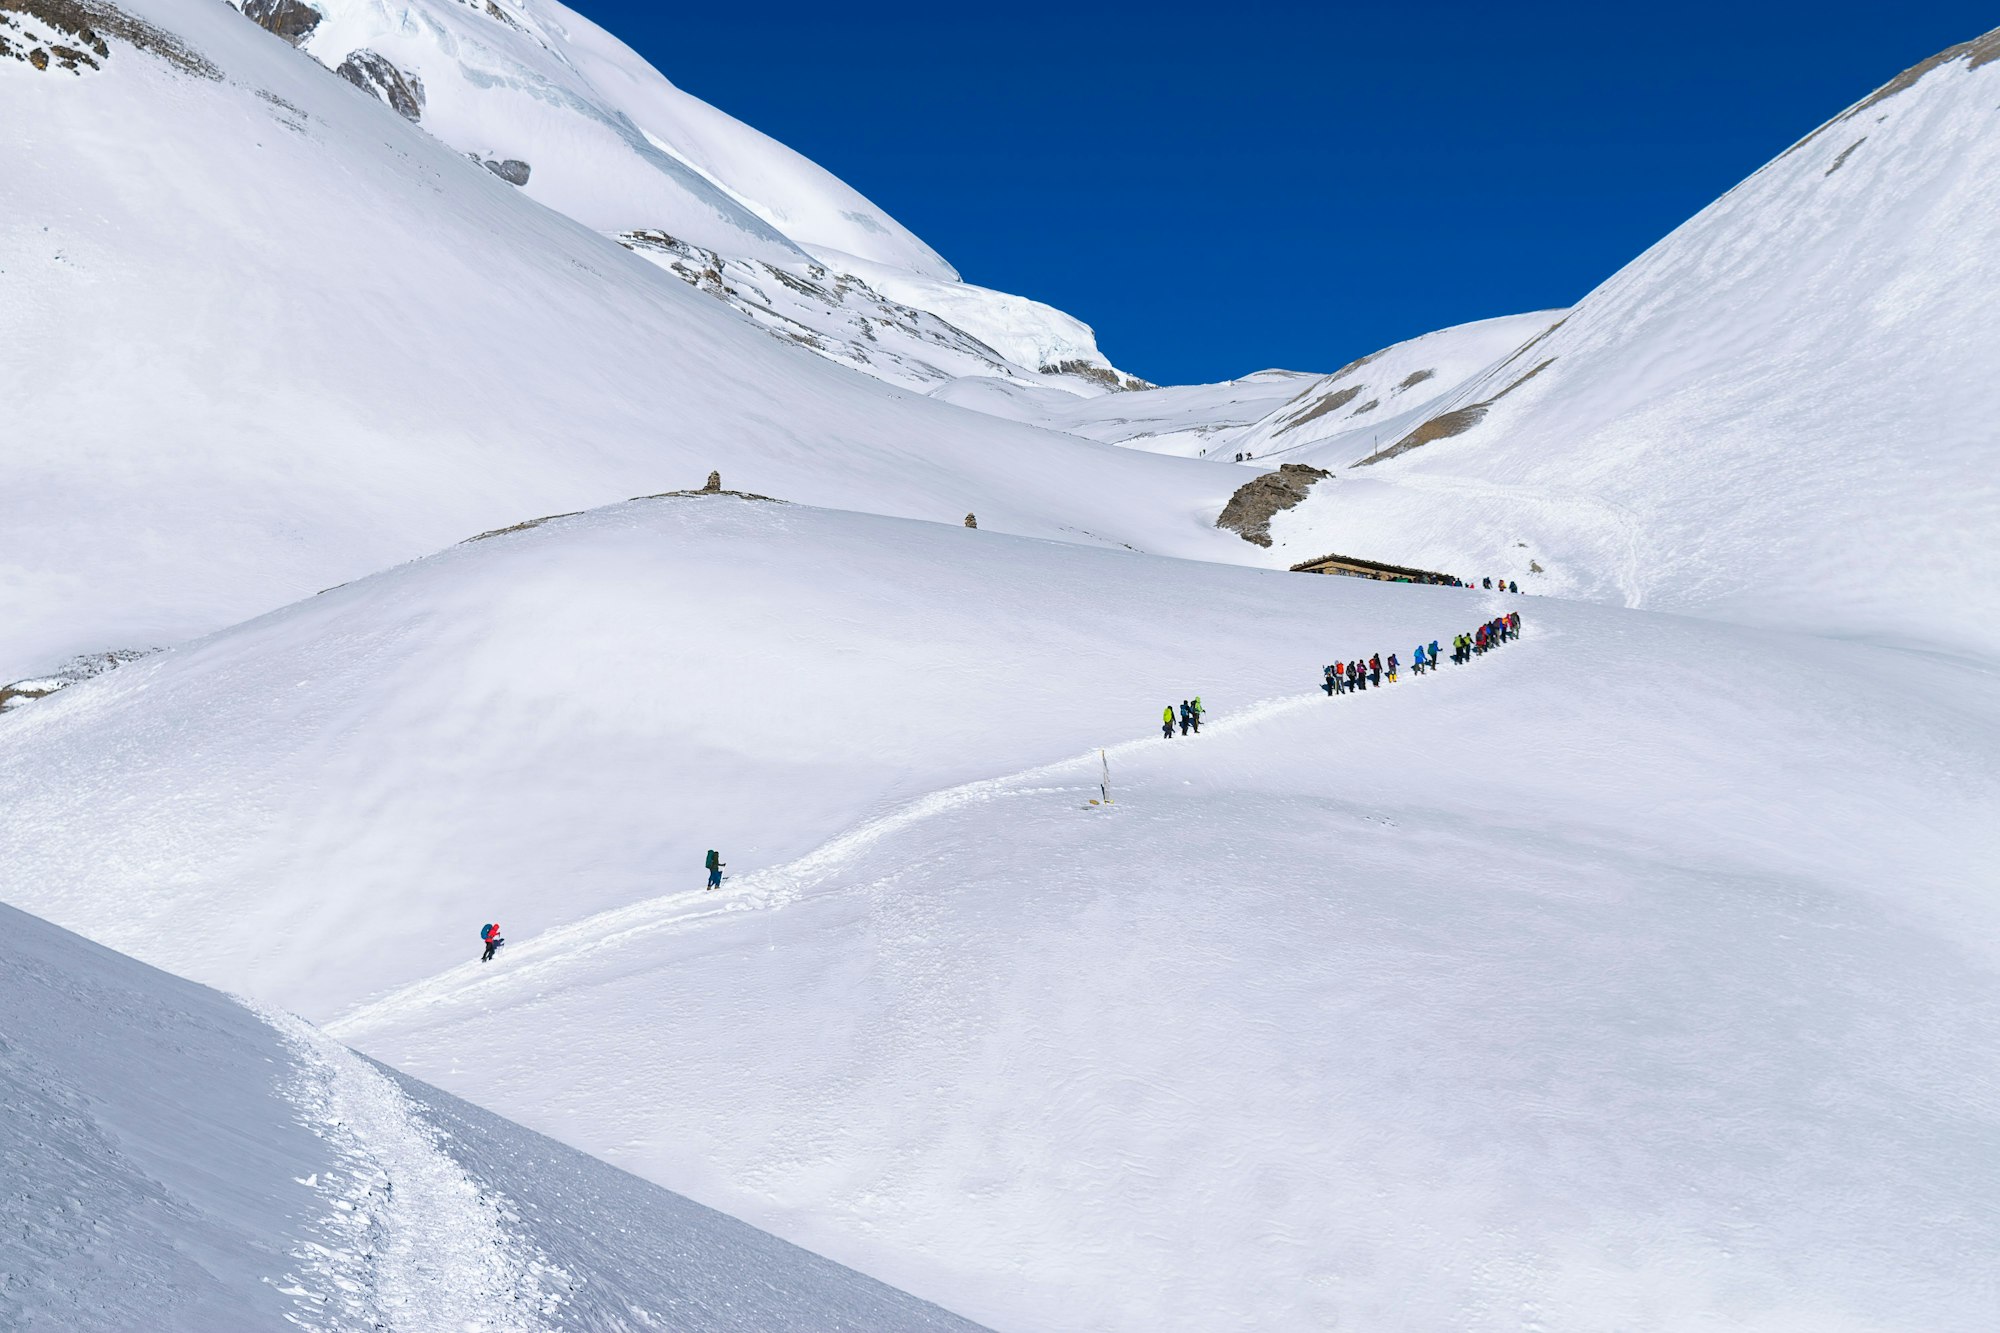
(608, 140)
(602, 136)
(846, 320)
(1191, 420)
(1782, 413)
(1385, 394)
(177, 1161)
(1635, 976)
(268, 336)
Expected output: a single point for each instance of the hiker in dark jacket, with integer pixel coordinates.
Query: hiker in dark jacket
(715, 864)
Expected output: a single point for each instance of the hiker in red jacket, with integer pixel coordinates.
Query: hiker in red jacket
(491, 934)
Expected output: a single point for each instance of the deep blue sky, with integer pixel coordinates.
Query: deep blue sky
(1221, 188)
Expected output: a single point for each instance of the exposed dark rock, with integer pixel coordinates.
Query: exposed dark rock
(512, 170)
(1333, 402)
(1097, 374)
(1979, 51)
(372, 73)
(1845, 153)
(1249, 511)
(714, 483)
(69, 673)
(70, 35)
(293, 20)
(1455, 422)
(971, 520)
(522, 526)
(1415, 378)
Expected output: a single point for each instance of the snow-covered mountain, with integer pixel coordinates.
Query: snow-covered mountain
(1782, 413)
(550, 101)
(1637, 975)
(268, 336)
(1590, 980)
(179, 1161)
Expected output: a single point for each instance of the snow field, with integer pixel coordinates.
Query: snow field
(540, 726)
(1511, 996)
(1630, 976)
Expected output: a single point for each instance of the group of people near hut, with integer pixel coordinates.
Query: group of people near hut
(1364, 673)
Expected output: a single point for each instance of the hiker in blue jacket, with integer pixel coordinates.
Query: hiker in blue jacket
(715, 864)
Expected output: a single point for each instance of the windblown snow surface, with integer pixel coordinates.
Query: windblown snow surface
(1781, 414)
(1638, 975)
(176, 1160)
(264, 336)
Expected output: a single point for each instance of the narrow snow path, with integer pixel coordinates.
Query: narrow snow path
(547, 957)
(409, 1241)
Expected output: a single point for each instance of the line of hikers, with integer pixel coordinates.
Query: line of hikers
(1188, 717)
(489, 934)
(1364, 673)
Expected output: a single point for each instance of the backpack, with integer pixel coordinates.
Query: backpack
(486, 932)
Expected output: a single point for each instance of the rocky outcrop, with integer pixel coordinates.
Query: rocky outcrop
(374, 74)
(293, 20)
(1097, 374)
(71, 35)
(1457, 421)
(69, 673)
(1248, 513)
(512, 170)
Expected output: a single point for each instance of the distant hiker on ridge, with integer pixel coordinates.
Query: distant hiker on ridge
(491, 934)
(715, 864)
(1167, 722)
